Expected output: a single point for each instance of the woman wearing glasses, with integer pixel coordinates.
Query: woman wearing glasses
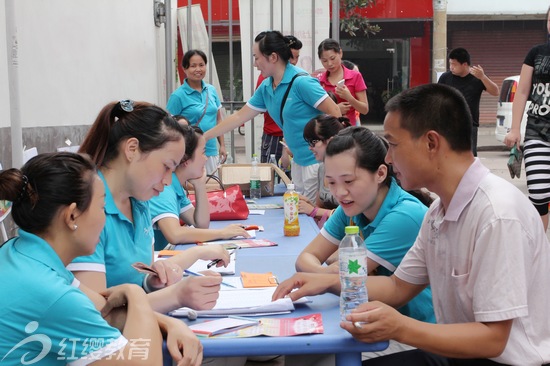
(317, 133)
(305, 99)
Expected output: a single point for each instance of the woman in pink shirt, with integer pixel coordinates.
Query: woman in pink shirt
(352, 93)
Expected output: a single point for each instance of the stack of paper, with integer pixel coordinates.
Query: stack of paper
(252, 302)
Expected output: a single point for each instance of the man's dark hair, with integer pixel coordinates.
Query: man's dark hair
(461, 55)
(435, 107)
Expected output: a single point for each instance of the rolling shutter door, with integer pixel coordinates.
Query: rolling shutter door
(500, 53)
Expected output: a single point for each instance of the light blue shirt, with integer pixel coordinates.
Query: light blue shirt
(169, 203)
(190, 103)
(121, 243)
(388, 238)
(301, 106)
(40, 299)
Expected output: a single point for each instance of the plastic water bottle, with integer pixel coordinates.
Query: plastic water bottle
(352, 255)
(272, 159)
(290, 204)
(255, 187)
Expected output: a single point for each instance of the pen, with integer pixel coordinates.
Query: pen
(216, 261)
(191, 273)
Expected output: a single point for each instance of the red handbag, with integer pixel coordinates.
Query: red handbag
(226, 203)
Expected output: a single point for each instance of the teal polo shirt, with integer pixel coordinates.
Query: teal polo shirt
(388, 238)
(121, 243)
(42, 307)
(190, 103)
(171, 202)
(301, 106)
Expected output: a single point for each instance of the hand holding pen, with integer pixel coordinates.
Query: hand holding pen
(216, 261)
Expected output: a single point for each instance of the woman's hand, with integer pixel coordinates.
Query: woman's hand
(512, 138)
(117, 296)
(213, 252)
(233, 230)
(305, 207)
(199, 180)
(168, 273)
(199, 293)
(343, 92)
(223, 154)
(344, 107)
(183, 345)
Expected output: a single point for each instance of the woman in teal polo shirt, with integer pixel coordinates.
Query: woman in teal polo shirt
(137, 146)
(45, 316)
(173, 204)
(200, 104)
(368, 195)
(305, 100)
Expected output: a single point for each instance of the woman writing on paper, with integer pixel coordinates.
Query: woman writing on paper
(58, 204)
(172, 204)
(305, 100)
(136, 147)
(200, 104)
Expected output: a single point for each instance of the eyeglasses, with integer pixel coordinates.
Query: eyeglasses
(312, 143)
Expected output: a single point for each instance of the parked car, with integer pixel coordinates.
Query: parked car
(504, 109)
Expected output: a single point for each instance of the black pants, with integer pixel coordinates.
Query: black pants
(271, 145)
(418, 357)
(474, 139)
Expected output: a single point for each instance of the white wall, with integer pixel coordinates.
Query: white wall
(4, 90)
(508, 7)
(77, 55)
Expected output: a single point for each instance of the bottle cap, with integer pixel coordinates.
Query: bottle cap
(352, 230)
(254, 155)
(290, 186)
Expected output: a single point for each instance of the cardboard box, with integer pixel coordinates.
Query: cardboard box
(240, 174)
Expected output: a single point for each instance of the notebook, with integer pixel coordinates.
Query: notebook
(250, 302)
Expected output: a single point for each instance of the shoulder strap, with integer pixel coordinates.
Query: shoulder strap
(205, 106)
(288, 91)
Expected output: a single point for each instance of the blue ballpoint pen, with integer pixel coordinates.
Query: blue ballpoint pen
(191, 273)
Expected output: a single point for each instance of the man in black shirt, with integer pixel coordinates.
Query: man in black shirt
(471, 81)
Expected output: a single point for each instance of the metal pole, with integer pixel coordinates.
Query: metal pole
(13, 81)
(292, 18)
(189, 27)
(439, 53)
(336, 20)
(210, 53)
(168, 44)
(313, 40)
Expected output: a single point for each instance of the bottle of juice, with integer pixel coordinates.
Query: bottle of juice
(290, 203)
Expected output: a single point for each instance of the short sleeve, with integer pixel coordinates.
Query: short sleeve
(359, 83)
(164, 205)
(334, 228)
(257, 102)
(390, 245)
(174, 105)
(309, 90)
(94, 262)
(76, 329)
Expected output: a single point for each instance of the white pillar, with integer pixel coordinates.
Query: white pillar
(439, 51)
